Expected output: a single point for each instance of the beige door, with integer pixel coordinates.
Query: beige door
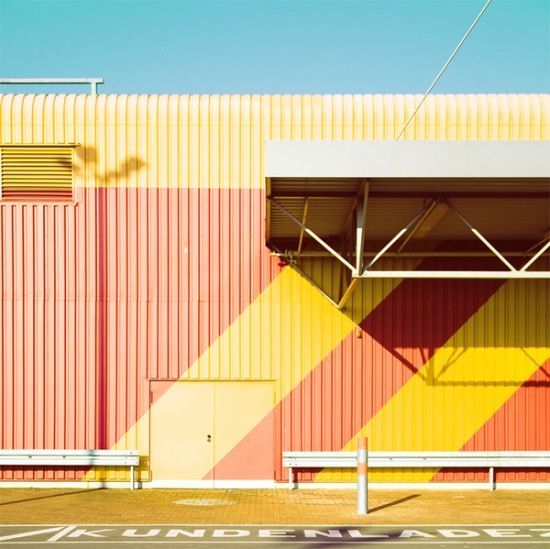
(208, 430)
(182, 425)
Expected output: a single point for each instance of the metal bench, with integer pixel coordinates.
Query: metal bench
(71, 458)
(435, 460)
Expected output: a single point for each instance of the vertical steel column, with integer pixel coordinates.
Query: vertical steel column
(361, 216)
(491, 478)
(362, 468)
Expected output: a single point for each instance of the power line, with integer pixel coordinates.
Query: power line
(444, 67)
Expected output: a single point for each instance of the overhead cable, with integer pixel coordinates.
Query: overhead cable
(444, 67)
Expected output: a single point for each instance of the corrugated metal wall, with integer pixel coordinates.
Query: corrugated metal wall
(159, 271)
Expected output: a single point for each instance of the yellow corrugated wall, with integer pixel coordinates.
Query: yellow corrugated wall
(217, 141)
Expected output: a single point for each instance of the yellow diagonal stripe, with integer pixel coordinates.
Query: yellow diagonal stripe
(456, 392)
(291, 326)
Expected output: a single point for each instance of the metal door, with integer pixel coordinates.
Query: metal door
(182, 423)
(208, 430)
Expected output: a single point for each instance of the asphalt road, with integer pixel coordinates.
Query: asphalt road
(429, 536)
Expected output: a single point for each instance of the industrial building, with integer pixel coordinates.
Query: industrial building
(213, 280)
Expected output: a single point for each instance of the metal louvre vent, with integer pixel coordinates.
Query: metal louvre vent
(38, 173)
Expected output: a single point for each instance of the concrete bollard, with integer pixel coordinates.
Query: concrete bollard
(362, 467)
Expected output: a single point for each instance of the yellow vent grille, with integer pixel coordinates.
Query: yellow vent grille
(36, 173)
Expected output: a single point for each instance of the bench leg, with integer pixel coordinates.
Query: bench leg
(131, 477)
(492, 485)
(290, 479)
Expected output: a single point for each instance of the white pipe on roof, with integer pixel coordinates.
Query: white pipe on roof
(92, 81)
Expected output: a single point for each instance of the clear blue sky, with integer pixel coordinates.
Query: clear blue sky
(277, 46)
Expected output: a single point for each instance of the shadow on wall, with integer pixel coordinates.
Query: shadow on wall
(87, 163)
(420, 317)
(430, 322)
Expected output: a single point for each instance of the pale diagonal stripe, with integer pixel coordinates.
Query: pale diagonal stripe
(289, 325)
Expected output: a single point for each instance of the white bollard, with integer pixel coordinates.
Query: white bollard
(362, 467)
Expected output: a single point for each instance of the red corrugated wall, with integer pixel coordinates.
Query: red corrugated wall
(130, 285)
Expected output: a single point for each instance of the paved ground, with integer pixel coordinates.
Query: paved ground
(313, 518)
(63, 506)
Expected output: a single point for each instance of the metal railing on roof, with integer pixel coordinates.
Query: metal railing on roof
(92, 81)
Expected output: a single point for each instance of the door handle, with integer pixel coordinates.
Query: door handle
(208, 438)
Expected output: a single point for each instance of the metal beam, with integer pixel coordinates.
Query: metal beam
(431, 220)
(481, 237)
(397, 236)
(361, 216)
(293, 265)
(541, 241)
(92, 81)
(345, 296)
(304, 216)
(301, 272)
(420, 254)
(352, 211)
(535, 257)
(314, 235)
(426, 223)
(268, 210)
(481, 195)
(313, 194)
(479, 275)
(347, 293)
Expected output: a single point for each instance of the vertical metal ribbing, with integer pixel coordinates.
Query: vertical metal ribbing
(362, 467)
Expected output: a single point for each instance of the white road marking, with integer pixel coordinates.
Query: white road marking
(293, 525)
(293, 535)
(63, 532)
(27, 534)
(298, 542)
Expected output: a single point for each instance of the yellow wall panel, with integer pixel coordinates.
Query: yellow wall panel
(217, 141)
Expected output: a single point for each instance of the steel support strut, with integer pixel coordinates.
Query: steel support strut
(426, 223)
(535, 257)
(313, 235)
(411, 223)
(304, 217)
(422, 223)
(481, 237)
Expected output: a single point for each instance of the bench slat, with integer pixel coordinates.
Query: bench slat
(42, 452)
(67, 462)
(418, 459)
(69, 457)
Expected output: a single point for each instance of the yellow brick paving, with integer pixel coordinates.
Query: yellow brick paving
(281, 506)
